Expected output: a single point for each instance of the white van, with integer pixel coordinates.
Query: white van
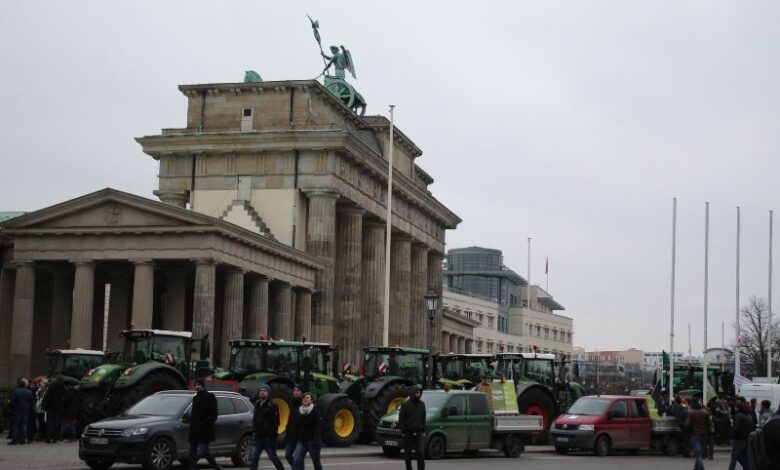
(761, 392)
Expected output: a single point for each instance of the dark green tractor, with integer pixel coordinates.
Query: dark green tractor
(150, 361)
(69, 365)
(383, 383)
(461, 371)
(539, 391)
(281, 365)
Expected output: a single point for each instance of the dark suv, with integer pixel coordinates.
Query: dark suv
(154, 432)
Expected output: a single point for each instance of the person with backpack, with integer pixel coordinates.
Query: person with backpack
(266, 425)
(740, 432)
(309, 433)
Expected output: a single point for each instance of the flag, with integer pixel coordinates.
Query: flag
(741, 380)
(547, 265)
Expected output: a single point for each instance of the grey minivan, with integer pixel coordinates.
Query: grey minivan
(154, 432)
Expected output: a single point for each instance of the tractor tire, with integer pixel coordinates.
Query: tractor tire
(536, 402)
(281, 396)
(151, 384)
(341, 423)
(380, 405)
(93, 407)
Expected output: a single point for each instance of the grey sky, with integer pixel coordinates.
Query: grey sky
(574, 123)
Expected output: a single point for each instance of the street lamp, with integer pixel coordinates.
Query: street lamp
(432, 303)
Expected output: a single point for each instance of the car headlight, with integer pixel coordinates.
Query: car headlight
(134, 432)
(587, 427)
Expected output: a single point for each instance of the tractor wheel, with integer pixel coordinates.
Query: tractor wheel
(536, 402)
(281, 396)
(384, 403)
(341, 423)
(93, 407)
(151, 384)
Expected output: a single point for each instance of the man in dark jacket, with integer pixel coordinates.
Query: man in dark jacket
(411, 420)
(202, 419)
(771, 435)
(740, 432)
(291, 438)
(266, 425)
(22, 400)
(54, 406)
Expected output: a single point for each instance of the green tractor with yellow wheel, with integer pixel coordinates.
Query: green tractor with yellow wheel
(383, 383)
(282, 365)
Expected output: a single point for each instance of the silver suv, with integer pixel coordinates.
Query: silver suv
(154, 432)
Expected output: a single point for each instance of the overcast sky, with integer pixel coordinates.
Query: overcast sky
(574, 123)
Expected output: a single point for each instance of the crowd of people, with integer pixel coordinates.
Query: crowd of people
(737, 422)
(34, 412)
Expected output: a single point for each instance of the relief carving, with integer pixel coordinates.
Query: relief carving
(113, 215)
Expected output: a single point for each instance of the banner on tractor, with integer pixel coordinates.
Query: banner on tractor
(504, 397)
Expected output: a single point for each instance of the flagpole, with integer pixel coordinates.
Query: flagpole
(547, 275)
(705, 377)
(689, 343)
(529, 261)
(737, 369)
(671, 329)
(769, 323)
(388, 233)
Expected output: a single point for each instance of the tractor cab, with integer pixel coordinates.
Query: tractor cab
(70, 365)
(539, 368)
(409, 364)
(462, 371)
(168, 347)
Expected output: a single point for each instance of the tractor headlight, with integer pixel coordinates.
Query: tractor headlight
(587, 427)
(134, 431)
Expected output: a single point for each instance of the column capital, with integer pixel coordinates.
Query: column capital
(141, 261)
(302, 290)
(321, 192)
(350, 209)
(22, 263)
(204, 261)
(374, 223)
(401, 237)
(82, 262)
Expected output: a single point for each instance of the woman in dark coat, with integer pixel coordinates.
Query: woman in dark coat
(202, 418)
(309, 434)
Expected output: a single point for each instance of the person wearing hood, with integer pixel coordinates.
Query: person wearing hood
(411, 420)
(309, 433)
(291, 438)
(266, 426)
(203, 415)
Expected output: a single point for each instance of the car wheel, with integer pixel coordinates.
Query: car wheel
(160, 455)
(513, 446)
(243, 453)
(391, 451)
(560, 450)
(99, 464)
(601, 447)
(436, 448)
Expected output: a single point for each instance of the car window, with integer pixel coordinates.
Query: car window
(459, 404)
(638, 409)
(619, 409)
(240, 405)
(225, 406)
(478, 405)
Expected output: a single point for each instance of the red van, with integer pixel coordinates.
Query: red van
(610, 422)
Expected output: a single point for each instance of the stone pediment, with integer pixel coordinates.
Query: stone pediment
(105, 209)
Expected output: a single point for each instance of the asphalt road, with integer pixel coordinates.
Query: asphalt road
(64, 456)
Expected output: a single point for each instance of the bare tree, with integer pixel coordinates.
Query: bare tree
(754, 318)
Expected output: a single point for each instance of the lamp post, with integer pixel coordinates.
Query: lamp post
(432, 303)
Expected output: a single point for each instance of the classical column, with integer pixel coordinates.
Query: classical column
(143, 294)
(175, 296)
(418, 327)
(203, 302)
(98, 315)
(302, 313)
(321, 241)
(22, 322)
(83, 303)
(6, 318)
(118, 308)
(62, 305)
(400, 287)
(282, 313)
(469, 346)
(257, 322)
(461, 344)
(232, 311)
(434, 283)
(444, 338)
(373, 290)
(348, 311)
(453, 343)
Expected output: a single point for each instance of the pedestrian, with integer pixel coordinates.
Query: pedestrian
(709, 444)
(771, 434)
(54, 407)
(72, 411)
(203, 415)
(681, 416)
(740, 432)
(266, 425)
(36, 424)
(411, 420)
(309, 433)
(22, 401)
(696, 424)
(291, 438)
(754, 412)
(765, 414)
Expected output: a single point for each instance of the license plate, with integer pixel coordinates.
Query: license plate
(98, 440)
(392, 443)
(563, 439)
